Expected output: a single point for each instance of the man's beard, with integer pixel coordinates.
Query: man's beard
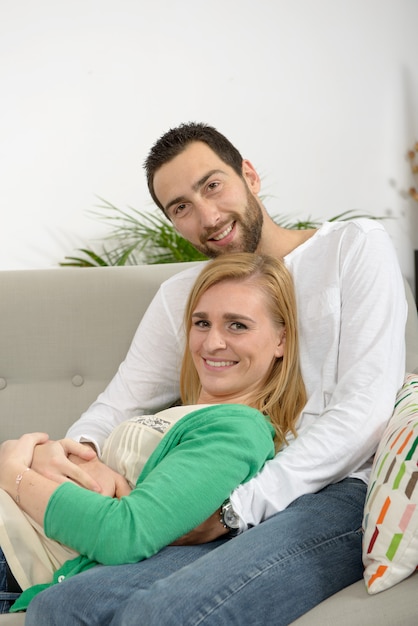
(251, 224)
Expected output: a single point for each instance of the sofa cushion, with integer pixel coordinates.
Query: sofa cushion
(390, 546)
(353, 606)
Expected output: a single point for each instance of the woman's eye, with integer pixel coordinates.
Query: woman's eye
(238, 326)
(201, 324)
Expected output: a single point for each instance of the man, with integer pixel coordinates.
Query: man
(300, 519)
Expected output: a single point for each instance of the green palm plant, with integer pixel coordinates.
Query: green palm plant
(137, 237)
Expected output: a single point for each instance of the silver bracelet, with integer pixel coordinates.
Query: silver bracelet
(18, 481)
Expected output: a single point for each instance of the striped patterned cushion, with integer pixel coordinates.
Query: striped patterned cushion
(390, 545)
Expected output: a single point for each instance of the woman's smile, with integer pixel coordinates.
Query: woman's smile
(219, 364)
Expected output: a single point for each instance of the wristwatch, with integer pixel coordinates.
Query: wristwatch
(229, 519)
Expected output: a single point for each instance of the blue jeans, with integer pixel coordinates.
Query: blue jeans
(6, 597)
(270, 574)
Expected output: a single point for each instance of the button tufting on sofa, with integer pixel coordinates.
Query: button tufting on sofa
(77, 380)
(3, 384)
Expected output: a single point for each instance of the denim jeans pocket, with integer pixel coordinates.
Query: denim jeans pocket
(7, 598)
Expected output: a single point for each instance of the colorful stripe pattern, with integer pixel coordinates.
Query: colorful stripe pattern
(390, 524)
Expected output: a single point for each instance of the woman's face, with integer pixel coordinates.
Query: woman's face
(233, 341)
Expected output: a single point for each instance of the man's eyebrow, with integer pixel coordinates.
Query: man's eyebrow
(177, 200)
(205, 178)
(197, 185)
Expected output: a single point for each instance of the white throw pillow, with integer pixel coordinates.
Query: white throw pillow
(390, 544)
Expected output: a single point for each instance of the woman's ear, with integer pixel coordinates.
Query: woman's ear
(280, 346)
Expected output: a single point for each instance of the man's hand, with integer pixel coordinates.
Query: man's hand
(51, 459)
(111, 483)
(209, 530)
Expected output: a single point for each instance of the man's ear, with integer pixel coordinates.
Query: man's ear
(279, 352)
(251, 177)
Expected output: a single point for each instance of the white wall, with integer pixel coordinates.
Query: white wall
(322, 97)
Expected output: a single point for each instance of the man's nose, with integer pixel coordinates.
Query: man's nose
(208, 214)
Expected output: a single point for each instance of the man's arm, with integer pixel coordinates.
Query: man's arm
(223, 521)
(352, 311)
(360, 316)
(209, 530)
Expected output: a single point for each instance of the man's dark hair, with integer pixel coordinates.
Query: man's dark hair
(174, 141)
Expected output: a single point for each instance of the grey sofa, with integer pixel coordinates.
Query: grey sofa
(64, 332)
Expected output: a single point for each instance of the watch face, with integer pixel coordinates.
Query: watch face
(230, 518)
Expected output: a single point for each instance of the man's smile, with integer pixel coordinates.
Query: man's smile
(223, 233)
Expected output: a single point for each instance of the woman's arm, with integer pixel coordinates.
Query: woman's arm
(32, 490)
(195, 467)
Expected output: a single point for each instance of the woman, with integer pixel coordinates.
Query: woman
(242, 363)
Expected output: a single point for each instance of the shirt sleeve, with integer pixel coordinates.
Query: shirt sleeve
(365, 373)
(194, 468)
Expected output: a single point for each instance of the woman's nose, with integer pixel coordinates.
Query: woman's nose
(215, 340)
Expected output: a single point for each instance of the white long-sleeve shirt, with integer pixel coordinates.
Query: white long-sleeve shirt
(351, 312)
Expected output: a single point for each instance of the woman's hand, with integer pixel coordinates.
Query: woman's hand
(56, 460)
(15, 456)
(111, 483)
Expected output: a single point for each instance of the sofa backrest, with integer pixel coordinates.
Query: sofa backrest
(411, 331)
(64, 332)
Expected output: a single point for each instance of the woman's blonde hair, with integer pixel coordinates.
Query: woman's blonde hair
(283, 396)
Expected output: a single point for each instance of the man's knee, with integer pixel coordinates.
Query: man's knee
(42, 610)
